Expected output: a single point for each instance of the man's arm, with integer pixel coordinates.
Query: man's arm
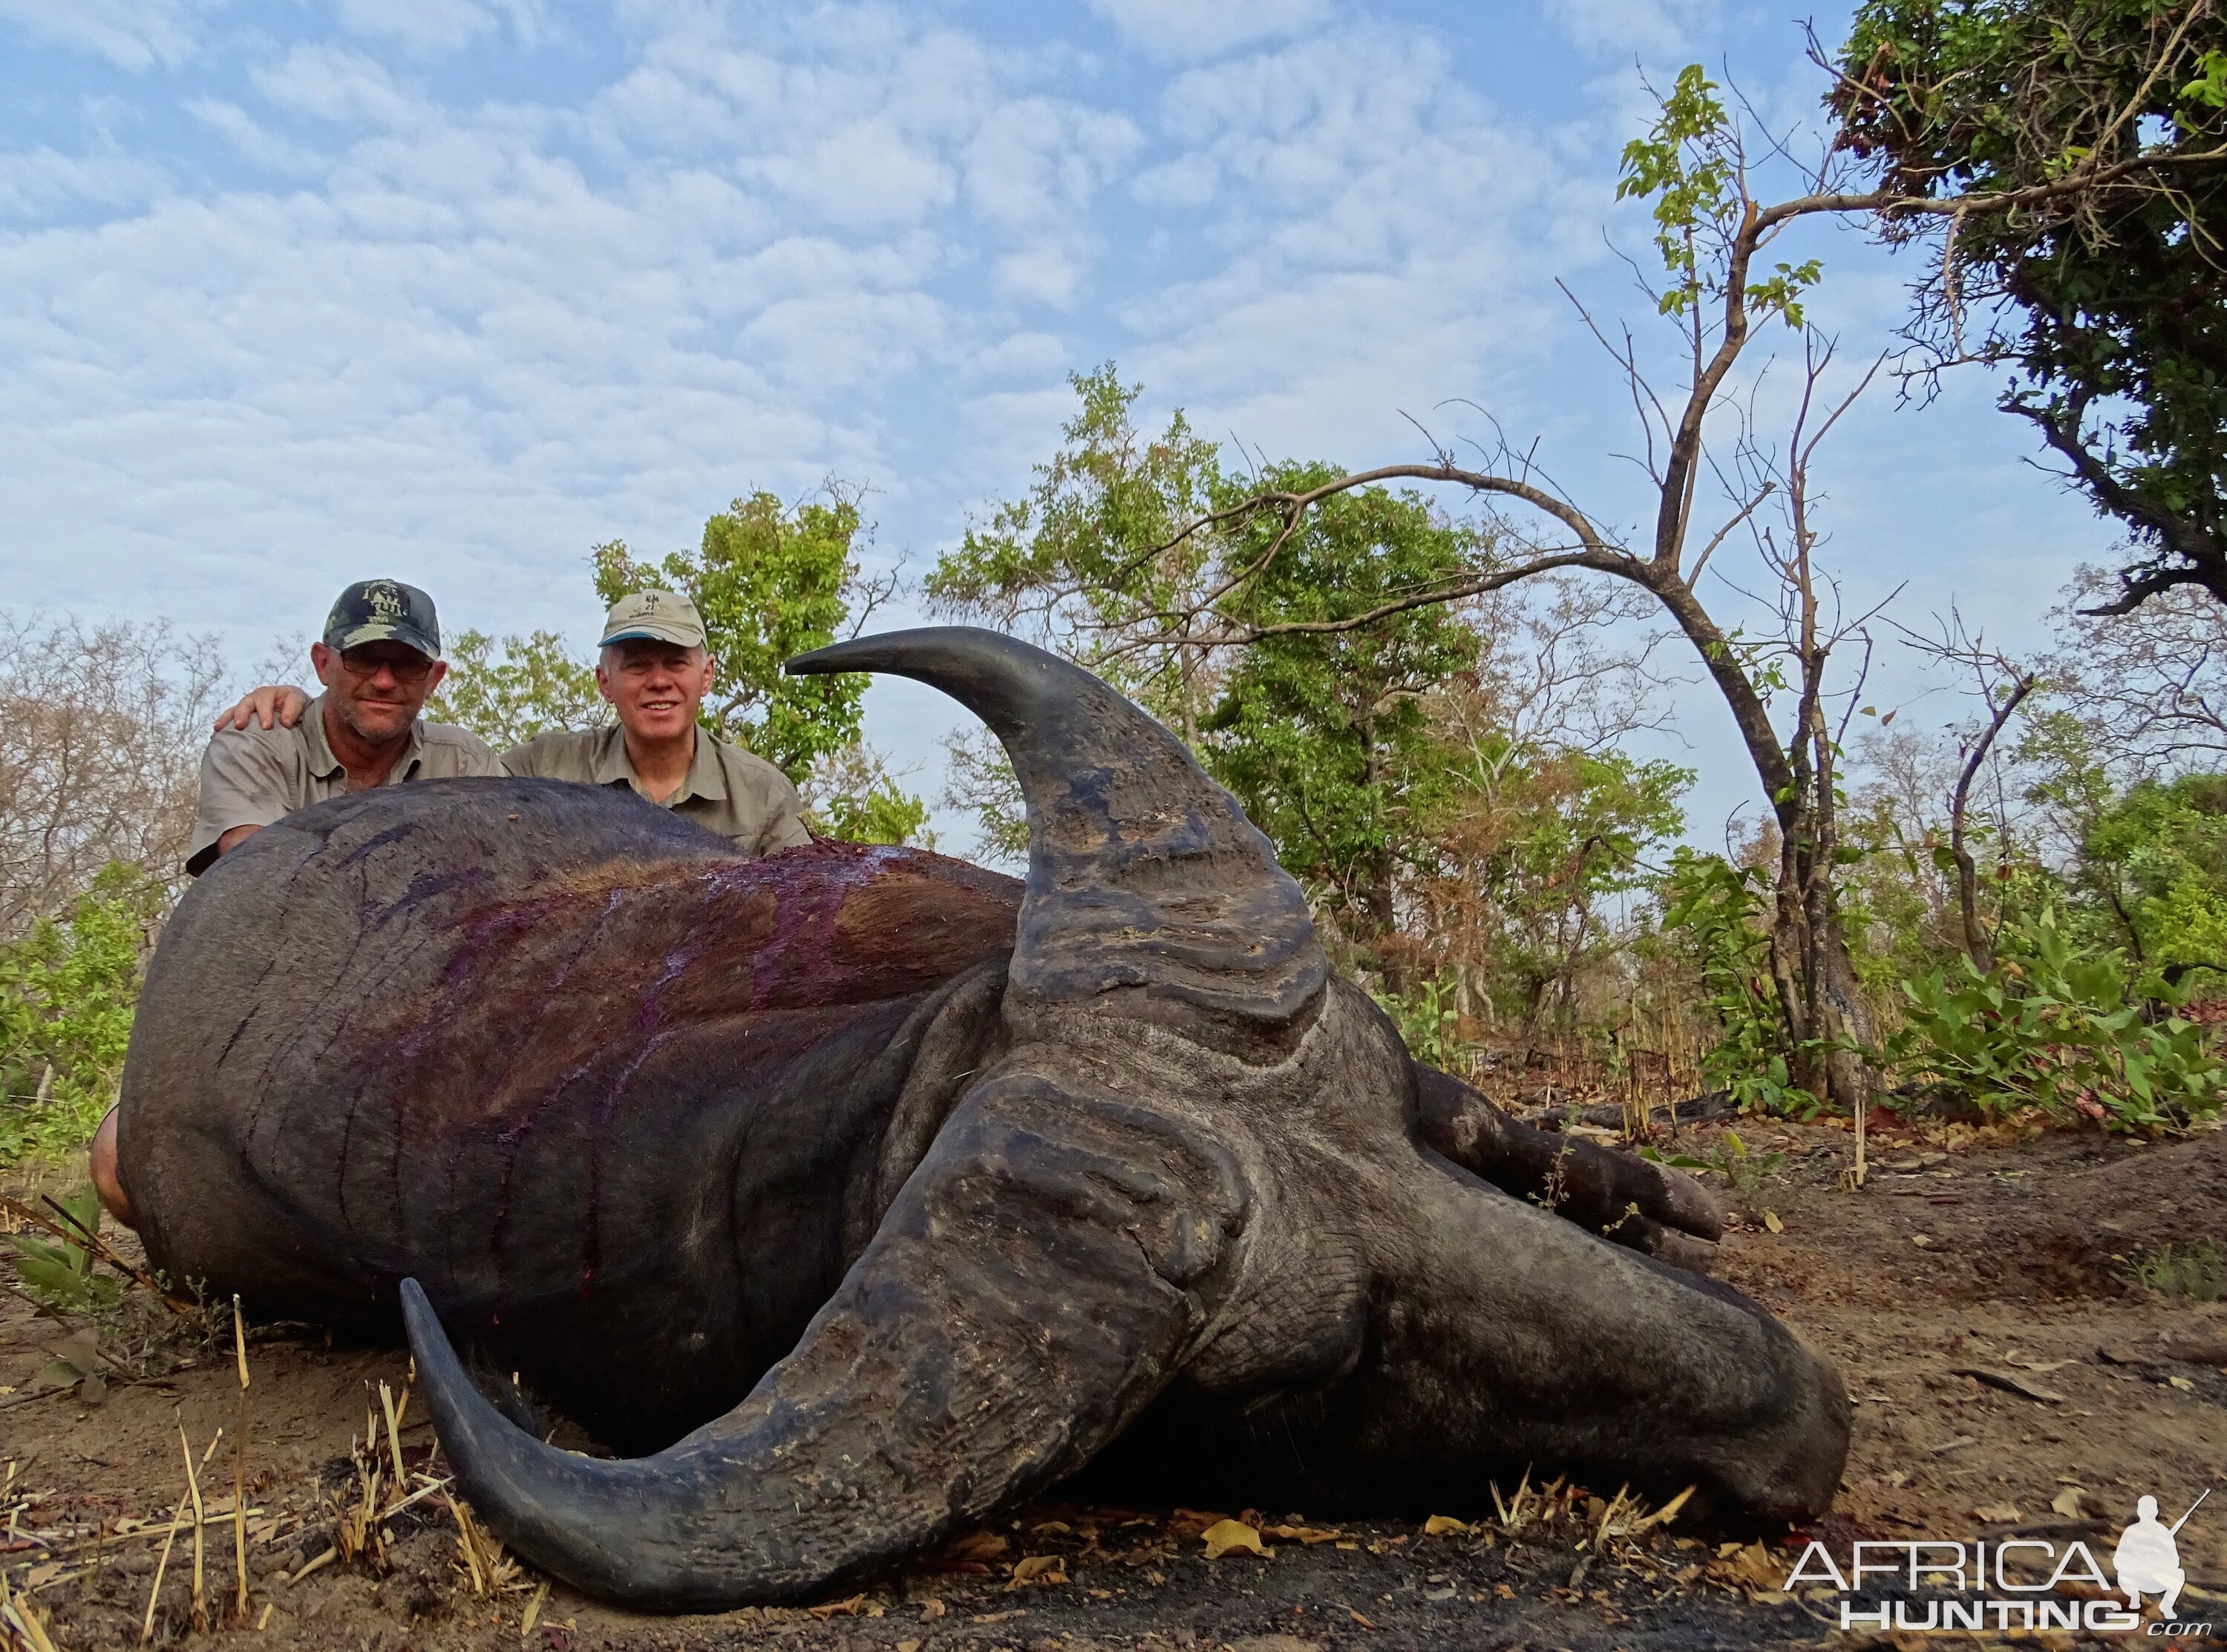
(247, 781)
(273, 705)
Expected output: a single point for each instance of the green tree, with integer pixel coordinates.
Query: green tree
(529, 687)
(2154, 862)
(1324, 736)
(853, 795)
(771, 581)
(2077, 149)
(1577, 831)
(1107, 554)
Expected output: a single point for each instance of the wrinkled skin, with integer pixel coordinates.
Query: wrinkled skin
(882, 1193)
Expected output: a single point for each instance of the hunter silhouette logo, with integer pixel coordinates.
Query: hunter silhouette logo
(2148, 1559)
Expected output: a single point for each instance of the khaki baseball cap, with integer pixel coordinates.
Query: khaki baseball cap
(657, 616)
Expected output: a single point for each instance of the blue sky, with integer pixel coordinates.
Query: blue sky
(451, 289)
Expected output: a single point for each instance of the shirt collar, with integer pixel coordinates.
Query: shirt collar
(323, 765)
(705, 778)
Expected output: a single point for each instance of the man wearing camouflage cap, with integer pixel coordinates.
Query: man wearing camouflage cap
(652, 666)
(378, 661)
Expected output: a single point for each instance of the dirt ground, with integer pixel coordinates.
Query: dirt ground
(1978, 1296)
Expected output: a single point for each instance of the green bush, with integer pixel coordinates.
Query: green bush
(2058, 1025)
(1427, 1019)
(66, 993)
(59, 1272)
(1716, 912)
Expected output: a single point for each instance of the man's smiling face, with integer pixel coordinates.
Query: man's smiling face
(654, 687)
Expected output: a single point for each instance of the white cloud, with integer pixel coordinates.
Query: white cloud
(1185, 31)
(1629, 28)
(1381, 231)
(130, 34)
(335, 83)
(38, 181)
(419, 25)
(865, 174)
(257, 144)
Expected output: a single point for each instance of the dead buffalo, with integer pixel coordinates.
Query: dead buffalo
(882, 1193)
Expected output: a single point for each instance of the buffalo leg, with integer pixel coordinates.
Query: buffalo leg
(1510, 1336)
(1621, 1197)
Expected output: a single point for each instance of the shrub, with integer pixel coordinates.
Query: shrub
(1717, 911)
(2195, 1274)
(66, 993)
(1427, 1019)
(2054, 1025)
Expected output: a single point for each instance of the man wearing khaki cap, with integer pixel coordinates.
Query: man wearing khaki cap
(654, 668)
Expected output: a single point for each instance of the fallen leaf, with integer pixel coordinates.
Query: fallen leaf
(2181, 1383)
(838, 1608)
(1955, 1444)
(1308, 1535)
(978, 1546)
(1748, 1567)
(2124, 1354)
(998, 1617)
(1040, 1568)
(56, 1374)
(1998, 1514)
(1771, 1220)
(1358, 1619)
(2066, 1502)
(930, 1610)
(1051, 1529)
(1231, 1537)
(1445, 1526)
(909, 1645)
(1920, 1240)
(1189, 1523)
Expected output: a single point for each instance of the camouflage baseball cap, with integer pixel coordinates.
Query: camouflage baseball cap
(658, 616)
(384, 611)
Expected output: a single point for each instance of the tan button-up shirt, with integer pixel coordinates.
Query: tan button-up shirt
(256, 776)
(739, 795)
